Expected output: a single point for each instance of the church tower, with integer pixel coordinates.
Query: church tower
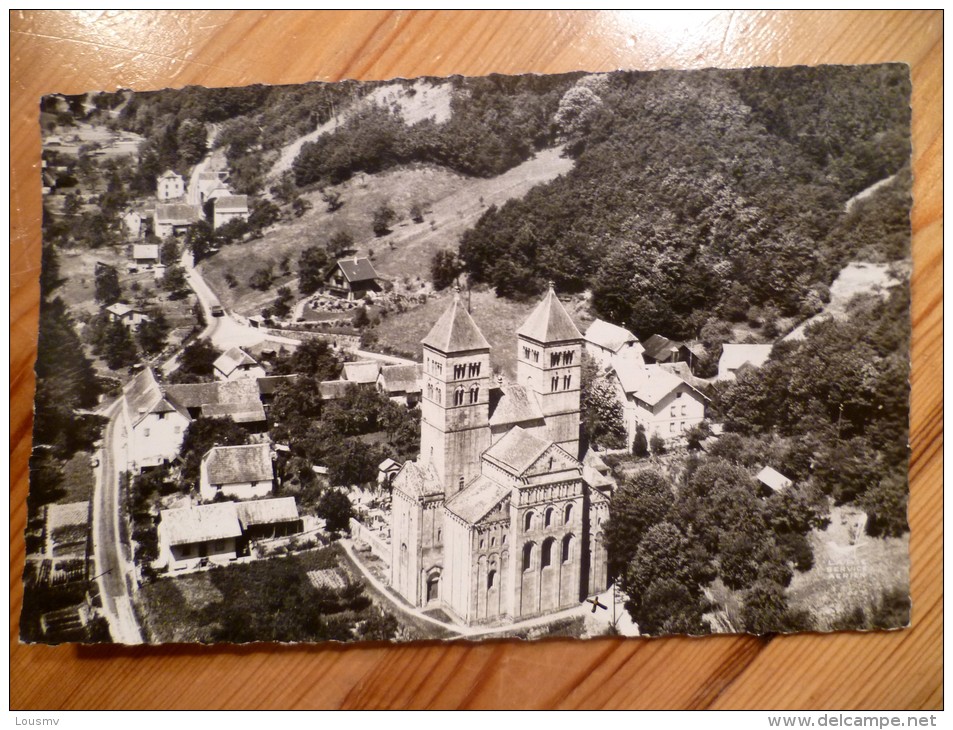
(549, 355)
(455, 402)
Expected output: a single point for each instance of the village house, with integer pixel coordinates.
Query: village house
(129, 316)
(351, 279)
(498, 525)
(135, 223)
(242, 472)
(735, 356)
(153, 425)
(210, 182)
(169, 186)
(660, 402)
(145, 254)
(190, 537)
(235, 363)
(230, 207)
(333, 389)
(239, 400)
(386, 471)
(174, 219)
(605, 341)
(401, 383)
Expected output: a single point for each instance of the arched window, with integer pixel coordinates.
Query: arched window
(567, 379)
(567, 514)
(474, 393)
(554, 383)
(439, 395)
(528, 556)
(458, 397)
(528, 521)
(490, 579)
(439, 534)
(474, 370)
(548, 522)
(567, 548)
(430, 391)
(547, 556)
(482, 543)
(492, 540)
(460, 482)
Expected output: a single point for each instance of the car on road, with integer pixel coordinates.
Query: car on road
(217, 310)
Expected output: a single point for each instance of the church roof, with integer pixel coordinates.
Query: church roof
(456, 331)
(478, 499)
(517, 451)
(549, 322)
(516, 405)
(418, 480)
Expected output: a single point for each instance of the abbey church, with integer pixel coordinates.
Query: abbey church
(499, 518)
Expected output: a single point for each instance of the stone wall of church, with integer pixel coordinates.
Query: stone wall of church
(553, 371)
(417, 564)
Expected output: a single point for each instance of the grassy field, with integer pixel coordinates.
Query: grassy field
(78, 479)
(451, 202)
(850, 568)
(497, 318)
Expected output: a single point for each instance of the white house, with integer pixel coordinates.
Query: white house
(243, 472)
(174, 219)
(152, 423)
(735, 356)
(235, 363)
(209, 182)
(605, 341)
(169, 186)
(132, 220)
(190, 536)
(129, 316)
(660, 401)
(230, 207)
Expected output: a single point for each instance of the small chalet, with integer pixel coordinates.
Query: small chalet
(361, 372)
(605, 341)
(243, 472)
(192, 536)
(230, 207)
(351, 279)
(659, 401)
(236, 363)
(734, 357)
(125, 314)
(134, 221)
(153, 422)
(264, 519)
(772, 481)
(401, 383)
(169, 186)
(145, 254)
(174, 219)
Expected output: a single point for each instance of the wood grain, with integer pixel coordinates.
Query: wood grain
(72, 52)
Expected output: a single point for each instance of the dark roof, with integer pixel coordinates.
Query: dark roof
(478, 499)
(355, 269)
(144, 395)
(516, 405)
(176, 212)
(549, 322)
(238, 399)
(193, 395)
(660, 348)
(517, 451)
(267, 511)
(455, 331)
(237, 464)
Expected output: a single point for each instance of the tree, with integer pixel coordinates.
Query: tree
(361, 318)
(300, 206)
(416, 213)
(340, 243)
(174, 282)
(282, 306)
(766, 611)
(312, 265)
(201, 435)
(444, 268)
(151, 334)
(332, 199)
(312, 358)
(285, 189)
(196, 362)
(384, 216)
(192, 139)
(108, 290)
(169, 252)
(262, 278)
(602, 415)
(263, 214)
(118, 349)
(230, 231)
(657, 444)
(198, 239)
(641, 501)
(886, 505)
(335, 509)
(640, 445)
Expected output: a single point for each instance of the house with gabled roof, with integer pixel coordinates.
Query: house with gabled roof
(235, 363)
(361, 372)
(123, 313)
(145, 254)
(242, 472)
(174, 219)
(605, 341)
(352, 279)
(228, 208)
(169, 186)
(401, 383)
(239, 400)
(152, 423)
(659, 401)
(495, 521)
(736, 356)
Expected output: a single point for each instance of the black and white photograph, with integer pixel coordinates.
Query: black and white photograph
(575, 355)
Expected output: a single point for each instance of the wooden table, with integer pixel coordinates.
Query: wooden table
(56, 51)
